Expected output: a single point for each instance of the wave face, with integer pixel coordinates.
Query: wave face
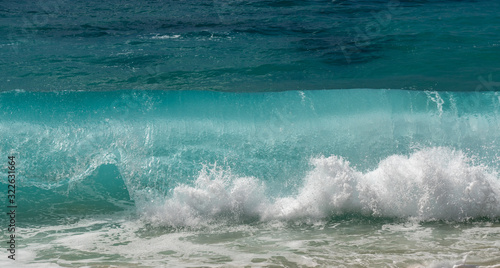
(191, 158)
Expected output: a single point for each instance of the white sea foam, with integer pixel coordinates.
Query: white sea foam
(166, 36)
(215, 194)
(430, 184)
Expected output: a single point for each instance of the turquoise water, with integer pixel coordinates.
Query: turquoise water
(285, 178)
(251, 133)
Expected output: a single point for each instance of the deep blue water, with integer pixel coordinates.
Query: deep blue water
(249, 45)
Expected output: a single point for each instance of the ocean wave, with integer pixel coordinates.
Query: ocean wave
(83, 147)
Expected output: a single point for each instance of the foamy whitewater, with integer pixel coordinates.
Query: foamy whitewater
(430, 184)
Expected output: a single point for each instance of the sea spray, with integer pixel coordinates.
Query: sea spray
(428, 185)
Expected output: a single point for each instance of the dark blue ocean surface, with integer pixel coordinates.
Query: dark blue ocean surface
(250, 45)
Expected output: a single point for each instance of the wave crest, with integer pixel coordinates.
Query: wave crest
(430, 184)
